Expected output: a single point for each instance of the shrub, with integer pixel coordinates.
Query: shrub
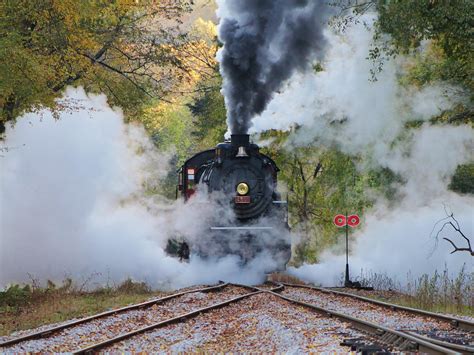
(15, 296)
(129, 286)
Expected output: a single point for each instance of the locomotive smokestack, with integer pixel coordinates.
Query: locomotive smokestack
(240, 140)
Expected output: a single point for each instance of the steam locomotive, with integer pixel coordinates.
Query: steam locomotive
(245, 181)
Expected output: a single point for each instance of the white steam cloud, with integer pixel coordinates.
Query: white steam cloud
(72, 204)
(340, 107)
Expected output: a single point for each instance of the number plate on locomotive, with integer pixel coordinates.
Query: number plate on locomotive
(242, 199)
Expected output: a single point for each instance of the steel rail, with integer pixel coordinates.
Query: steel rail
(400, 340)
(177, 319)
(464, 349)
(277, 287)
(455, 321)
(146, 304)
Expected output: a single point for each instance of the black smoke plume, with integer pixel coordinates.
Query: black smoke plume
(265, 42)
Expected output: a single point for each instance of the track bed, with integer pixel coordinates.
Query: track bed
(267, 318)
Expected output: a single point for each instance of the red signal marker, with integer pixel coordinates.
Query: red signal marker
(353, 220)
(340, 220)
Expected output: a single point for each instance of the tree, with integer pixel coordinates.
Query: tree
(120, 48)
(195, 118)
(320, 183)
(450, 220)
(463, 179)
(208, 109)
(438, 37)
(194, 54)
(447, 25)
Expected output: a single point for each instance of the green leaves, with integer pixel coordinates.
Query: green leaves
(321, 183)
(445, 26)
(448, 24)
(15, 296)
(209, 114)
(463, 179)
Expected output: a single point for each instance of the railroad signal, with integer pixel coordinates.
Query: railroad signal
(353, 221)
(340, 220)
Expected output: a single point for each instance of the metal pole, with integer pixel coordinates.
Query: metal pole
(347, 279)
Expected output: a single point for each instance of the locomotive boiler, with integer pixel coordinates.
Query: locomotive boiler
(246, 182)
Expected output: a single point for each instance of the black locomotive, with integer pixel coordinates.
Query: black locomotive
(245, 182)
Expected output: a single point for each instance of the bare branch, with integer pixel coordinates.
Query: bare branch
(317, 169)
(459, 249)
(450, 220)
(300, 165)
(122, 73)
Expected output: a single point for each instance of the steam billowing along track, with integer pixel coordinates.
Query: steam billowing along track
(272, 317)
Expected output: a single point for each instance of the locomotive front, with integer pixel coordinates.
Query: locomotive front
(245, 177)
(246, 182)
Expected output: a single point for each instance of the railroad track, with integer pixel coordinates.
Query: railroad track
(409, 339)
(46, 334)
(454, 321)
(111, 344)
(375, 336)
(179, 318)
(130, 314)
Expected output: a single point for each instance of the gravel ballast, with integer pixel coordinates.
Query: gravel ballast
(393, 319)
(260, 323)
(101, 329)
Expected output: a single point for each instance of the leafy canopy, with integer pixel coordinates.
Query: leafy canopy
(120, 48)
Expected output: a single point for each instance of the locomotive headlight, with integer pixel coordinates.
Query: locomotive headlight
(242, 188)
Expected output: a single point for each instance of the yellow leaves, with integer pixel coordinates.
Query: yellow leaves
(67, 11)
(159, 116)
(195, 57)
(206, 30)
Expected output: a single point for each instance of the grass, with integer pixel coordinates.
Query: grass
(439, 292)
(29, 306)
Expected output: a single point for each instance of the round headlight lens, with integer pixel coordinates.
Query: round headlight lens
(242, 188)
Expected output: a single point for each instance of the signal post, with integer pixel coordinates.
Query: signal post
(343, 220)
